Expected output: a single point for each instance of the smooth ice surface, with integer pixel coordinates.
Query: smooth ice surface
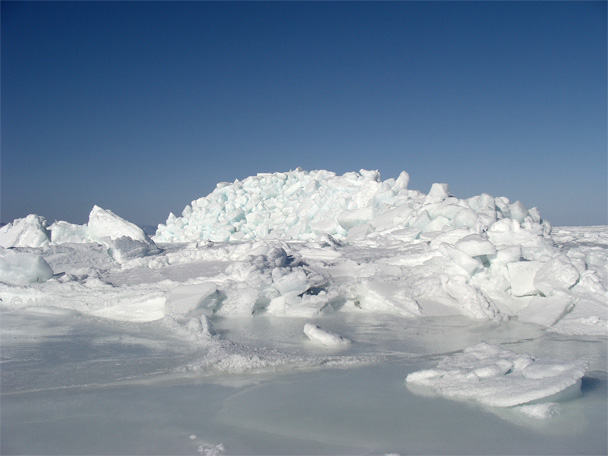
(76, 385)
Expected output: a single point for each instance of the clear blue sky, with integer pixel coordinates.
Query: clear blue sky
(142, 107)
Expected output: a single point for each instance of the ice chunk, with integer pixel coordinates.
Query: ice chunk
(327, 338)
(518, 211)
(124, 248)
(290, 282)
(466, 218)
(64, 232)
(521, 274)
(465, 261)
(501, 378)
(505, 255)
(123, 239)
(186, 298)
(356, 217)
(557, 274)
(438, 193)
(30, 231)
(545, 311)
(475, 245)
(104, 223)
(392, 217)
(402, 182)
(20, 268)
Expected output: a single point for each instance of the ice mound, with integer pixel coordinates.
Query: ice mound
(123, 239)
(20, 268)
(30, 231)
(478, 256)
(302, 244)
(106, 224)
(501, 378)
(327, 338)
(305, 205)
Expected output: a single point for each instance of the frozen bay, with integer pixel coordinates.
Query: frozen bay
(96, 387)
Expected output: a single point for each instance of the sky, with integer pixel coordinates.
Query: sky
(142, 107)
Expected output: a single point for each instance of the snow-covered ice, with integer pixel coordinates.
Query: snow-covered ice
(501, 378)
(268, 289)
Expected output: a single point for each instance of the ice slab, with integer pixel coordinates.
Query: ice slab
(104, 223)
(546, 311)
(522, 275)
(497, 377)
(556, 274)
(21, 268)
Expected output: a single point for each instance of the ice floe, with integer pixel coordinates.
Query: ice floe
(498, 377)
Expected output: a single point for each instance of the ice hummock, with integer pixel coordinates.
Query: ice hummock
(305, 205)
(498, 377)
(303, 244)
(30, 231)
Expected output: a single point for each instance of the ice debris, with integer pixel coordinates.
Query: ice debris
(497, 377)
(324, 337)
(122, 239)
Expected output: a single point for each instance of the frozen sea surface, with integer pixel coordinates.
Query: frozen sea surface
(73, 384)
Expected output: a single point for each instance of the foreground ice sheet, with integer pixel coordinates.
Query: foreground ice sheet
(72, 384)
